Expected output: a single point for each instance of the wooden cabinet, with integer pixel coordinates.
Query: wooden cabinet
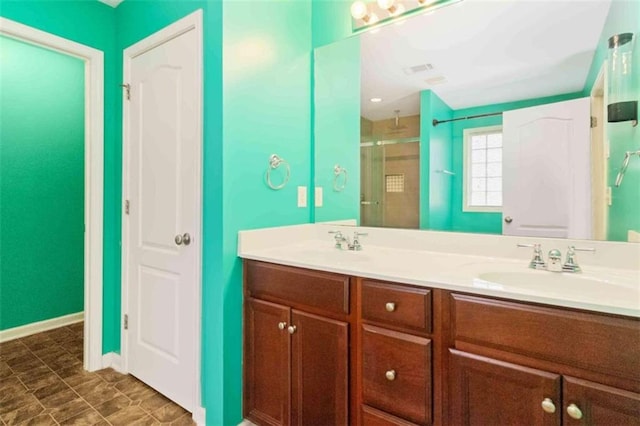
(319, 370)
(296, 363)
(485, 391)
(525, 361)
(588, 403)
(395, 354)
(267, 365)
(327, 349)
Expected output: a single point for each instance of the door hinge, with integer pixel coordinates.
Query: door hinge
(126, 321)
(127, 87)
(594, 122)
(126, 206)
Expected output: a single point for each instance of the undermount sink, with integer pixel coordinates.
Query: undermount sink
(578, 285)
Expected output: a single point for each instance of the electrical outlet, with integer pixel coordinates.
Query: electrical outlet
(318, 196)
(302, 196)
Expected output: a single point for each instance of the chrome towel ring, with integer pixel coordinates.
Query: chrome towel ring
(337, 172)
(274, 162)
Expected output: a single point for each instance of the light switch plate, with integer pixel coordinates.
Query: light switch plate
(302, 196)
(318, 196)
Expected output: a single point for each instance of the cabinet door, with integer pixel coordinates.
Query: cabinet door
(319, 370)
(266, 352)
(588, 403)
(485, 391)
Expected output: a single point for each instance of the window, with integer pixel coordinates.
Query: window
(482, 172)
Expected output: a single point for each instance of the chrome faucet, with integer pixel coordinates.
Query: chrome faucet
(555, 259)
(343, 242)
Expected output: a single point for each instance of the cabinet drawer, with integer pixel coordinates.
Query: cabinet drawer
(323, 290)
(396, 373)
(595, 342)
(397, 305)
(373, 417)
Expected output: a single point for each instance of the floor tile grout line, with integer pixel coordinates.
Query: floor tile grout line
(63, 348)
(70, 387)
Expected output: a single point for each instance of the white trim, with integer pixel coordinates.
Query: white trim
(599, 155)
(191, 22)
(40, 326)
(466, 135)
(199, 416)
(112, 360)
(246, 422)
(94, 179)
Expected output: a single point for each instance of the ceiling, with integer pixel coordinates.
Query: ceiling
(489, 51)
(112, 3)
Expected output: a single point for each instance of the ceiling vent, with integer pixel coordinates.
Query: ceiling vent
(434, 81)
(417, 68)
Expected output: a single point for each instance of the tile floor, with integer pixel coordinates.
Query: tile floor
(42, 382)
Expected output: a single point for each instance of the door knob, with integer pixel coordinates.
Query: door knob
(186, 239)
(291, 329)
(508, 219)
(390, 306)
(178, 239)
(282, 325)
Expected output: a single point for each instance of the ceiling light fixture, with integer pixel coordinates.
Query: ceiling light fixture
(359, 10)
(369, 14)
(376, 100)
(391, 7)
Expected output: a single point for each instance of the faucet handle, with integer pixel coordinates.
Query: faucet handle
(537, 262)
(356, 242)
(339, 238)
(571, 263)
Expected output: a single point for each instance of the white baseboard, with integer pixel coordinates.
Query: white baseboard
(113, 360)
(199, 416)
(40, 326)
(246, 422)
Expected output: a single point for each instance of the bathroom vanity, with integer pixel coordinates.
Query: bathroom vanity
(330, 339)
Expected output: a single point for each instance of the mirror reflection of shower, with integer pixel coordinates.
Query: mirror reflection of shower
(390, 184)
(390, 172)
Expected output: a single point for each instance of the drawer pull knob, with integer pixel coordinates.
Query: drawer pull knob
(390, 375)
(548, 406)
(574, 412)
(390, 306)
(291, 329)
(282, 325)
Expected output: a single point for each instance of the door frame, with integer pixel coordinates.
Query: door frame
(93, 174)
(600, 155)
(191, 22)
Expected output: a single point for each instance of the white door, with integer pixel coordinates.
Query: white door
(547, 170)
(162, 230)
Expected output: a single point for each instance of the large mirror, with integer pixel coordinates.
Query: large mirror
(484, 116)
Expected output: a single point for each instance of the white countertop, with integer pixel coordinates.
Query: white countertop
(486, 265)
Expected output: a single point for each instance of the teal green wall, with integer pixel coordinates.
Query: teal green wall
(337, 127)
(490, 223)
(90, 23)
(435, 154)
(41, 184)
(266, 100)
(330, 21)
(624, 212)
